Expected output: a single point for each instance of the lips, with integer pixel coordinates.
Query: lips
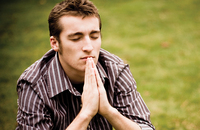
(85, 57)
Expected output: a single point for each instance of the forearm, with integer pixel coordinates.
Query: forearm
(120, 122)
(89, 98)
(80, 122)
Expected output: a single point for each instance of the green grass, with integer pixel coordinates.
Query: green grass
(160, 39)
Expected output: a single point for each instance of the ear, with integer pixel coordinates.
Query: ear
(54, 43)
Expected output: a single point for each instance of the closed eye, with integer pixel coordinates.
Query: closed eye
(75, 37)
(95, 34)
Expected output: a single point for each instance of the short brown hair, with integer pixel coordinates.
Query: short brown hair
(82, 8)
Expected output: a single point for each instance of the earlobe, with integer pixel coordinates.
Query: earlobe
(54, 43)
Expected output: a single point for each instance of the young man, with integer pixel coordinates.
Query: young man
(77, 85)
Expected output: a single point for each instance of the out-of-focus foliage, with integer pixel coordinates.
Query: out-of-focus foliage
(158, 38)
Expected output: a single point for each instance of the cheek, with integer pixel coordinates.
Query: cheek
(98, 44)
(72, 52)
(68, 47)
(97, 50)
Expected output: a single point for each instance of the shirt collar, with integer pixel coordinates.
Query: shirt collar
(102, 72)
(59, 82)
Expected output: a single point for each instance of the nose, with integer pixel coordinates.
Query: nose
(87, 45)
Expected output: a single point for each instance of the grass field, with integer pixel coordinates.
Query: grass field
(160, 39)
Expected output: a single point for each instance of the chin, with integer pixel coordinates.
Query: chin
(82, 70)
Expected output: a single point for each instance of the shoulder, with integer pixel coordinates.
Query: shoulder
(113, 65)
(118, 71)
(111, 61)
(34, 72)
(109, 57)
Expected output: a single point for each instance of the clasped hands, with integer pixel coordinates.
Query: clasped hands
(94, 98)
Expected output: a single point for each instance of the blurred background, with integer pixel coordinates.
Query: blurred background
(160, 39)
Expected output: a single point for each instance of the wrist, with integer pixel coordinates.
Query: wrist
(86, 114)
(80, 122)
(110, 112)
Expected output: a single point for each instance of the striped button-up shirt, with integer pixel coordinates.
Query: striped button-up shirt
(48, 100)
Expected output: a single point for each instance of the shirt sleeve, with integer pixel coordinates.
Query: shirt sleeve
(129, 102)
(32, 114)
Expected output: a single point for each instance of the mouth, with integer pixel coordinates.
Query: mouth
(85, 57)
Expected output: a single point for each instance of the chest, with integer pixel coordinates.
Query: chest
(65, 107)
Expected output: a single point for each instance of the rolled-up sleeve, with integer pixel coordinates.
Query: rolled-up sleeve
(129, 102)
(32, 114)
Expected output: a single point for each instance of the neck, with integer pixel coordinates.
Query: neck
(75, 78)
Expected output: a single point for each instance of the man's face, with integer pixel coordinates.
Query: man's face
(79, 39)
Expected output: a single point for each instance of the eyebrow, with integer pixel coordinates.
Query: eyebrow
(80, 33)
(75, 34)
(95, 32)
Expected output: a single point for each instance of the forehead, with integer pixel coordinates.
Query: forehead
(71, 24)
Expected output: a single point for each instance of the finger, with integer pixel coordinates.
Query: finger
(87, 69)
(93, 64)
(99, 81)
(87, 72)
(90, 74)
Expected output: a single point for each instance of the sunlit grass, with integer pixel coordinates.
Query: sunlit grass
(159, 39)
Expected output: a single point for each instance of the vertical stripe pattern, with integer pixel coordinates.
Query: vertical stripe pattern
(47, 100)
